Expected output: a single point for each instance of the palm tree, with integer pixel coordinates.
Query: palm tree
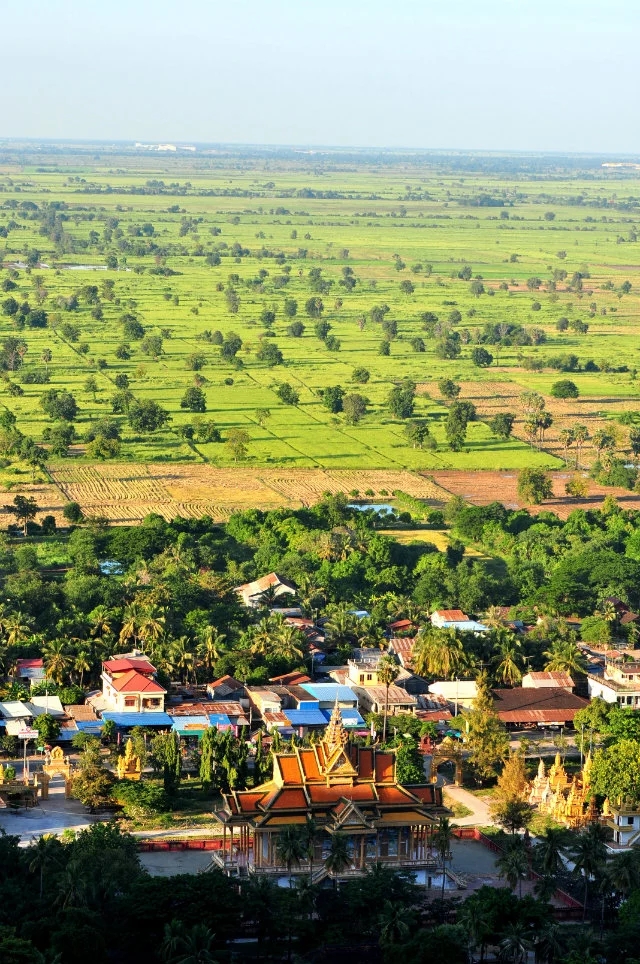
(580, 435)
(550, 849)
(57, 660)
(309, 836)
(43, 851)
(288, 643)
(338, 858)
(515, 945)
(476, 921)
(513, 864)
(564, 656)
(17, 628)
(210, 647)
(549, 943)
(567, 438)
(589, 854)
(182, 946)
(181, 657)
(290, 849)
(82, 664)
(623, 872)
(442, 838)
(369, 632)
(509, 657)
(151, 625)
(341, 626)
(131, 618)
(494, 618)
(439, 653)
(101, 621)
(388, 672)
(395, 923)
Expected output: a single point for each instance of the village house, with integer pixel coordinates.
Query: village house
(546, 680)
(129, 686)
(460, 693)
(345, 789)
(456, 619)
(263, 591)
(373, 699)
(528, 706)
(30, 671)
(620, 681)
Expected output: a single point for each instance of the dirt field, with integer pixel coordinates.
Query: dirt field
(127, 493)
(490, 398)
(481, 488)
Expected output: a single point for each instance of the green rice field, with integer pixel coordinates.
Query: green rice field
(181, 232)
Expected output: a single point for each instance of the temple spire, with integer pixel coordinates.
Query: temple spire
(335, 734)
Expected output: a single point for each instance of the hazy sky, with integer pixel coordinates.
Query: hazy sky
(500, 74)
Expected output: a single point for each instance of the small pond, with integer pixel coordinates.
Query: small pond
(382, 508)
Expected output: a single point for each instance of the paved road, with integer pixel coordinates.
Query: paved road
(480, 816)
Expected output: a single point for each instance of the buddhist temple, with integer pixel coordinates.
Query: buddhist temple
(565, 799)
(345, 789)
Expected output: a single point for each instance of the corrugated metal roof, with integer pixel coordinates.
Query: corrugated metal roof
(350, 717)
(138, 719)
(194, 723)
(305, 717)
(329, 692)
(219, 719)
(90, 726)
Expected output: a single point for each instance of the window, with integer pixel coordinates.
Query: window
(129, 701)
(630, 821)
(369, 676)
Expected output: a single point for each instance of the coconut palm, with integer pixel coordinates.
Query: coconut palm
(210, 646)
(288, 643)
(550, 850)
(516, 944)
(290, 849)
(131, 619)
(17, 628)
(341, 626)
(476, 921)
(82, 664)
(151, 625)
(513, 864)
(439, 653)
(388, 672)
(181, 946)
(338, 858)
(589, 854)
(101, 621)
(310, 832)
(57, 660)
(395, 923)
(442, 837)
(549, 943)
(564, 656)
(43, 852)
(181, 658)
(508, 657)
(369, 633)
(623, 872)
(494, 617)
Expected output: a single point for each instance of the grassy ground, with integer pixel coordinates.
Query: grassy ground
(372, 221)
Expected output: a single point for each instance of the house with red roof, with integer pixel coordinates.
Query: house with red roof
(129, 685)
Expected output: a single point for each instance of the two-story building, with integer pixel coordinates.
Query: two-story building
(129, 685)
(620, 681)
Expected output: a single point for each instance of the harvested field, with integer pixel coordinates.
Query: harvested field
(124, 493)
(492, 397)
(481, 488)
